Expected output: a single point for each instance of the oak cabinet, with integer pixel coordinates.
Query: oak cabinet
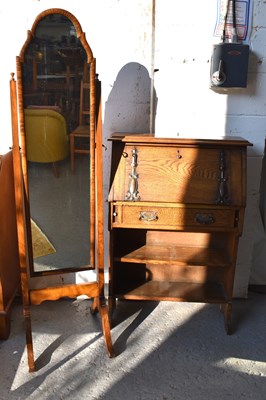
(9, 259)
(176, 215)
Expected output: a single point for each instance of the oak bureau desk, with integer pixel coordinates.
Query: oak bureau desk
(176, 215)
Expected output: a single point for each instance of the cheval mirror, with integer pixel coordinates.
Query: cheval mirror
(57, 153)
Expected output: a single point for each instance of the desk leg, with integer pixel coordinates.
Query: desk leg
(226, 309)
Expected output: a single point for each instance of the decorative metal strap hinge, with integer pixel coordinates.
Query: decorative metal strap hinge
(222, 188)
(132, 193)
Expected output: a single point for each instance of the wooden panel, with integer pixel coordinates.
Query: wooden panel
(149, 138)
(9, 262)
(186, 175)
(37, 296)
(187, 273)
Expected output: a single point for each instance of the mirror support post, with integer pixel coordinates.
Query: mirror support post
(100, 233)
(20, 215)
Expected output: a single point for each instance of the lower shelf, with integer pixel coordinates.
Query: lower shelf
(210, 292)
(180, 255)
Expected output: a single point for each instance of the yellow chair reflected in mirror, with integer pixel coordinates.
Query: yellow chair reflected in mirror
(46, 136)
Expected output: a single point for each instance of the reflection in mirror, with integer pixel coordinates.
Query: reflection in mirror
(53, 69)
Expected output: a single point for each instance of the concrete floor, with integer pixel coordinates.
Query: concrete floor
(165, 351)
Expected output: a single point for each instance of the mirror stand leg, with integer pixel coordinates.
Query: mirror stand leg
(95, 305)
(104, 312)
(27, 320)
(111, 307)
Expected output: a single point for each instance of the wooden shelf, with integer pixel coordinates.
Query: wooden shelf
(152, 254)
(211, 292)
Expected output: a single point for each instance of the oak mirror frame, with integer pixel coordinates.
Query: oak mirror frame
(53, 61)
(21, 93)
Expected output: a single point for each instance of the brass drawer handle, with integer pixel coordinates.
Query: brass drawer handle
(148, 216)
(205, 219)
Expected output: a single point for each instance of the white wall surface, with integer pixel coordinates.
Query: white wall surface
(187, 107)
(120, 33)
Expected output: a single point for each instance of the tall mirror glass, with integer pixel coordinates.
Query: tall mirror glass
(56, 97)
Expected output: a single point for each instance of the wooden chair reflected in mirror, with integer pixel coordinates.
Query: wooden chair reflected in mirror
(45, 60)
(79, 138)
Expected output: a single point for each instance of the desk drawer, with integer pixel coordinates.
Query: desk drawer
(172, 216)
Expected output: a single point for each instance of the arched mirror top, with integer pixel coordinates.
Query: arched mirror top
(57, 17)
